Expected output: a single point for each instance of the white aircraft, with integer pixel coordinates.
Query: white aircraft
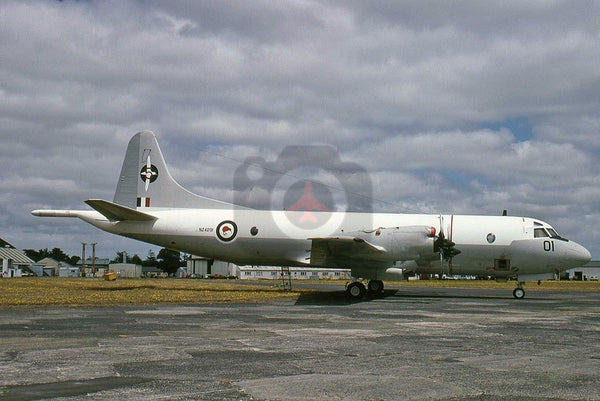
(150, 206)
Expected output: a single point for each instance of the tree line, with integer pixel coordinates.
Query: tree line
(56, 254)
(166, 260)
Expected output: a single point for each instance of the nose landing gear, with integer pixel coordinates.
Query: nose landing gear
(519, 292)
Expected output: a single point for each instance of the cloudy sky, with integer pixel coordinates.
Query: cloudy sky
(456, 107)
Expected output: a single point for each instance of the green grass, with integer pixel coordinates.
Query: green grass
(88, 291)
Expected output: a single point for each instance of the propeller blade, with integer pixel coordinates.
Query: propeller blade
(445, 247)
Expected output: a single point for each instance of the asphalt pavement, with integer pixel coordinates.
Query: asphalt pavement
(411, 343)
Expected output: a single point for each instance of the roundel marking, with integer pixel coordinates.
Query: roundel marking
(491, 238)
(149, 173)
(227, 230)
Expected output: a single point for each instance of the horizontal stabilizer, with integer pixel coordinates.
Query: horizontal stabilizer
(115, 212)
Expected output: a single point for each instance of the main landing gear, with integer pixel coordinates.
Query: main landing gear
(357, 290)
(375, 286)
(519, 292)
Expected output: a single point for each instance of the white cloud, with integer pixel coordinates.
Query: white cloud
(401, 88)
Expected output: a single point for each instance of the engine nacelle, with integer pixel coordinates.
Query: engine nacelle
(401, 243)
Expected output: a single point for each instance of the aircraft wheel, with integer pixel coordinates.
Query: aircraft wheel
(519, 293)
(356, 290)
(375, 286)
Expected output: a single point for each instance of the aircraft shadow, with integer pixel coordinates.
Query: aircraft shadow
(320, 296)
(339, 298)
(461, 293)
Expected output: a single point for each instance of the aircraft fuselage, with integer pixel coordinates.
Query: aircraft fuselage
(501, 246)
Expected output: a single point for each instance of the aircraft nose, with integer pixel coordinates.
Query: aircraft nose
(578, 255)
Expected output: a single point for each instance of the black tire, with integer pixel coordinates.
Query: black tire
(519, 293)
(356, 290)
(375, 286)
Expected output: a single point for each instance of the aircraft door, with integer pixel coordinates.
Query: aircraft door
(502, 267)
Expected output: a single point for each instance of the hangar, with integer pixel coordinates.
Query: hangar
(296, 273)
(198, 266)
(126, 270)
(12, 260)
(49, 267)
(590, 271)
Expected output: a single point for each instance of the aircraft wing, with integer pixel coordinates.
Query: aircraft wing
(116, 212)
(338, 251)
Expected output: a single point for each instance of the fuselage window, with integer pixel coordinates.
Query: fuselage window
(539, 233)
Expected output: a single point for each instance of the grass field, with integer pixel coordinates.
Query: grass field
(85, 291)
(82, 291)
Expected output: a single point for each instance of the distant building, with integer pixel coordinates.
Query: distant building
(12, 260)
(198, 267)
(49, 267)
(590, 271)
(296, 273)
(69, 271)
(100, 263)
(42, 271)
(151, 271)
(126, 270)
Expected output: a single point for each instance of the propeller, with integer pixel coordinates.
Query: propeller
(445, 247)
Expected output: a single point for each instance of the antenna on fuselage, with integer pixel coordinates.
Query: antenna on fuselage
(504, 212)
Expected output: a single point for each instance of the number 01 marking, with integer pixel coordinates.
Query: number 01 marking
(549, 246)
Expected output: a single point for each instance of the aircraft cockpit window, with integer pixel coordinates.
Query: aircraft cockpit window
(539, 233)
(555, 235)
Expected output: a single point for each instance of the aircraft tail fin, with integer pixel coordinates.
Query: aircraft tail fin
(145, 180)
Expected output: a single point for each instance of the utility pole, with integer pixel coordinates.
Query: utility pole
(94, 257)
(83, 244)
